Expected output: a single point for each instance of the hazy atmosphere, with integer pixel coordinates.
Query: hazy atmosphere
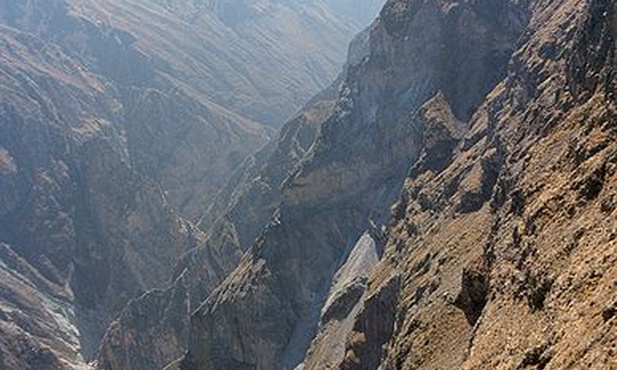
(308, 184)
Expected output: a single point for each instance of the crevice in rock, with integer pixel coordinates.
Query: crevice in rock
(591, 186)
(538, 291)
(373, 328)
(609, 313)
(473, 295)
(537, 357)
(538, 296)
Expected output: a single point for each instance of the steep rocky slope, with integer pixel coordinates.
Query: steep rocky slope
(107, 133)
(261, 58)
(246, 203)
(506, 258)
(185, 70)
(266, 313)
(84, 231)
(36, 329)
(448, 204)
(166, 124)
(495, 120)
(151, 331)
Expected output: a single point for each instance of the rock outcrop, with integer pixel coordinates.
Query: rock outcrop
(116, 121)
(267, 311)
(343, 303)
(151, 330)
(78, 215)
(449, 203)
(505, 250)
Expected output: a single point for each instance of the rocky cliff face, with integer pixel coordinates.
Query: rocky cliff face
(495, 122)
(246, 203)
(161, 146)
(266, 313)
(500, 251)
(110, 129)
(37, 326)
(250, 200)
(78, 219)
(495, 251)
(448, 203)
(151, 330)
(187, 72)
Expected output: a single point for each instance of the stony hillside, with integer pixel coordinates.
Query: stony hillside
(262, 59)
(111, 137)
(185, 70)
(149, 107)
(505, 259)
(246, 204)
(488, 126)
(447, 203)
(77, 220)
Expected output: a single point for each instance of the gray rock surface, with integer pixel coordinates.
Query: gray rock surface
(268, 309)
(77, 212)
(111, 128)
(150, 330)
(343, 303)
(486, 152)
(198, 79)
(38, 329)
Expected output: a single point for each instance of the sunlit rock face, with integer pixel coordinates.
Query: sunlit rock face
(458, 173)
(512, 217)
(502, 147)
(403, 101)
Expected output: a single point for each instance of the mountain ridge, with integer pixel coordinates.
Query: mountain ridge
(448, 202)
(453, 256)
(107, 150)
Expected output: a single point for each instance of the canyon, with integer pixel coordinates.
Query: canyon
(442, 198)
